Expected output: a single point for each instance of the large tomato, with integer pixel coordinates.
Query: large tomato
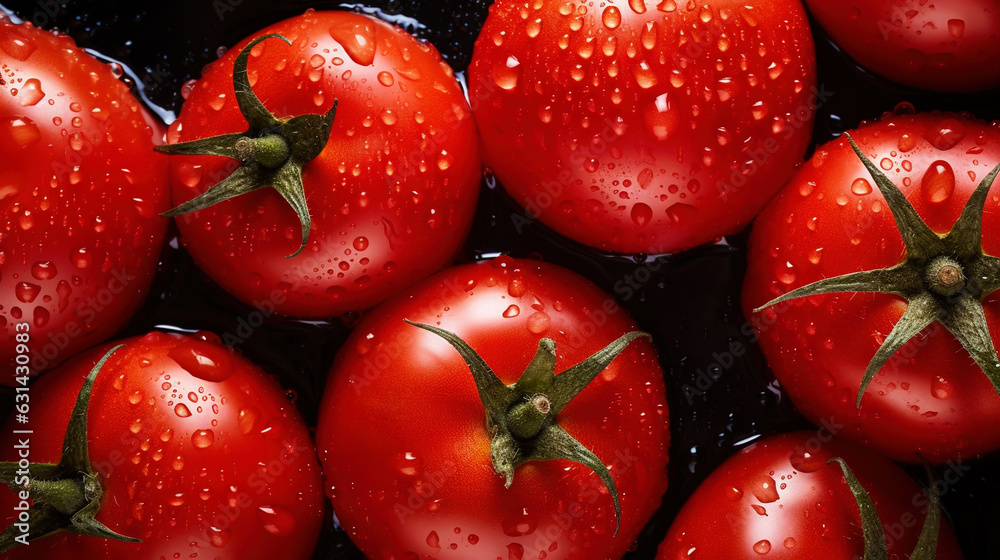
(930, 396)
(949, 46)
(197, 451)
(391, 192)
(403, 433)
(81, 191)
(644, 126)
(779, 499)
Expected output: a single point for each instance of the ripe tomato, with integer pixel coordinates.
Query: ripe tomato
(644, 126)
(81, 192)
(939, 46)
(419, 482)
(778, 498)
(930, 397)
(199, 454)
(391, 194)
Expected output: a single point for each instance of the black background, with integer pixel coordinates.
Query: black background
(690, 302)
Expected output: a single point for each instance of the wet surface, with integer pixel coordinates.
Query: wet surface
(720, 399)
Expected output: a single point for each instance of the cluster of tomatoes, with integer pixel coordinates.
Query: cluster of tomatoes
(361, 299)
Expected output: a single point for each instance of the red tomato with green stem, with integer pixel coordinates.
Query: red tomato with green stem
(454, 464)
(80, 195)
(782, 498)
(180, 443)
(871, 286)
(644, 127)
(368, 143)
(948, 47)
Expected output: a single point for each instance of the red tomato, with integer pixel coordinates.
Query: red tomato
(643, 126)
(420, 481)
(199, 453)
(931, 397)
(81, 192)
(949, 46)
(779, 499)
(391, 195)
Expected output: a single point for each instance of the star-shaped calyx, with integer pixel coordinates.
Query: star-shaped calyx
(271, 152)
(521, 417)
(944, 277)
(66, 495)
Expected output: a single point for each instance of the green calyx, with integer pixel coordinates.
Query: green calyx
(944, 277)
(66, 495)
(271, 152)
(871, 525)
(522, 417)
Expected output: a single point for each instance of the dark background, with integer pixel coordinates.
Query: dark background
(690, 303)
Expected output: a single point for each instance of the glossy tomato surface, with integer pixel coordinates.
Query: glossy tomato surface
(80, 195)
(644, 127)
(414, 479)
(949, 46)
(199, 452)
(391, 196)
(778, 498)
(930, 398)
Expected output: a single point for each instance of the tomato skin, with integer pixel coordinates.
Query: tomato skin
(808, 511)
(81, 192)
(420, 483)
(177, 474)
(619, 130)
(931, 398)
(941, 46)
(389, 206)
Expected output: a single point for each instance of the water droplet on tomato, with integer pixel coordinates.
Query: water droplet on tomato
(644, 75)
(43, 270)
(764, 489)
(358, 40)
(734, 494)
(408, 464)
(611, 17)
(641, 214)
(24, 131)
(956, 27)
(30, 93)
(804, 461)
(41, 316)
(182, 410)
(515, 551)
(661, 117)
(218, 537)
(276, 520)
(385, 78)
(506, 73)
(538, 322)
(247, 419)
(938, 182)
(519, 524)
(785, 272)
(203, 360)
(946, 134)
(941, 388)
(758, 110)
(511, 312)
(638, 6)
(203, 438)
(861, 186)
(433, 540)
(762, 547)
(26, 292)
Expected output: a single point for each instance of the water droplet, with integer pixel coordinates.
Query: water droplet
(247, 419)
(358, 40)
(506, 73)
(941, 388)
(26, 292)
(276, 520)
(806, 462)
(638, 6)
(182, 410)
(217, 102)
(644, 75)
(203, 438)
(360, 243)
(759, 110)
(218, 537)
(641, 214)
(17, 45)
(861, 187)
(30, 93)
(385, 78)
(433, 540)
(388, 117)
(946, 134)
(203, 360)
(41, 316)
(511, 312)
(661, 118)
(24, 131)
(538, 322)
(886, 164)
(611, 17)
(785, 272)
(764, 488)
(938, 182)
(520, 524)
(734, 494)
(956, 27)
(762, 547)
